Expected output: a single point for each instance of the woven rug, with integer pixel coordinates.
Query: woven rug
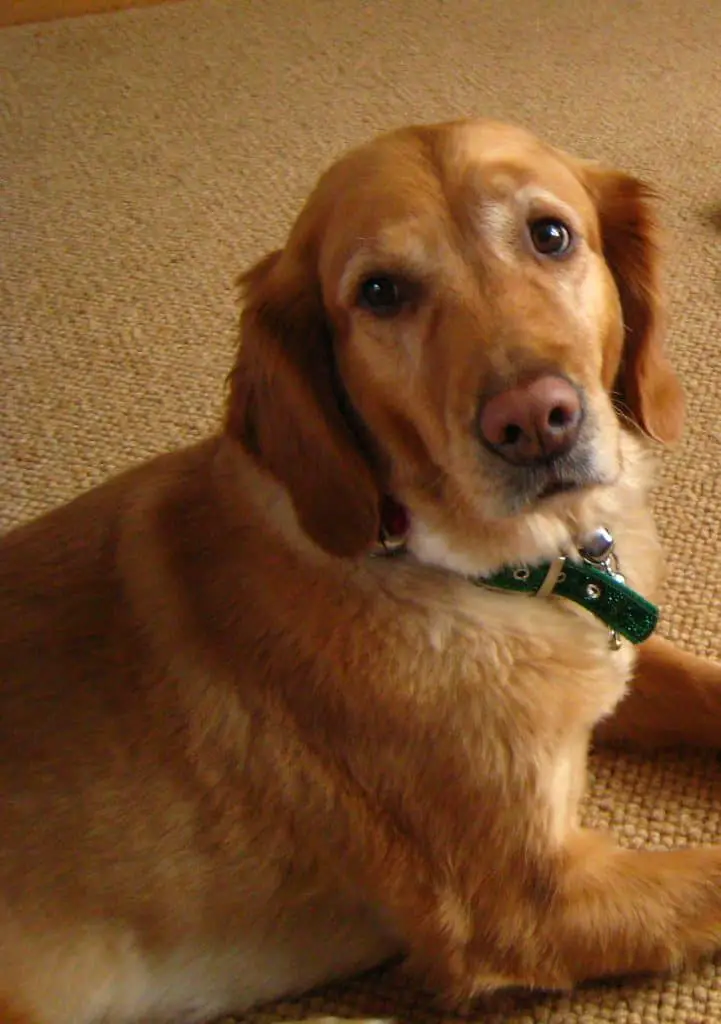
(148, 156)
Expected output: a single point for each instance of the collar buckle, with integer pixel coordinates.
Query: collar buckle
(553, 576)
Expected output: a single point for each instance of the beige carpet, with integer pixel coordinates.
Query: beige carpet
(149, 155)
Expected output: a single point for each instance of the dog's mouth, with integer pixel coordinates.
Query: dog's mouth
(570, 475)
(555, 487)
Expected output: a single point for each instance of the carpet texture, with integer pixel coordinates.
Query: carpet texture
(148, 156)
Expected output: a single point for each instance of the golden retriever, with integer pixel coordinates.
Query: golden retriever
(264, 722)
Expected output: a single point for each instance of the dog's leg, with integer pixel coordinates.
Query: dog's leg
(675, 698)
(621, 912)
(610, 912)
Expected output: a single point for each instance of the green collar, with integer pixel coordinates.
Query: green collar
(595, 587)
(593, 581)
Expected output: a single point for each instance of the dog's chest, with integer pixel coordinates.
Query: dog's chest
(527, 681)
(511, 648)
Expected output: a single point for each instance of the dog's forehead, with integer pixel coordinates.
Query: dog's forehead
(430, 177)
(387, 190)
(483, 143)
(488, 160)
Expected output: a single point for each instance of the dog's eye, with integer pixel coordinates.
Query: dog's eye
(382, 295)
(550, 236)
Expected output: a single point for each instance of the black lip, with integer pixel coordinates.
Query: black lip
(554, 487)
(570, 474)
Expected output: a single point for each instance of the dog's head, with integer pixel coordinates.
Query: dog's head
(467, 320)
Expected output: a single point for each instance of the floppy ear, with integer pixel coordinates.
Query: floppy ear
(647, 383)
(285, 408)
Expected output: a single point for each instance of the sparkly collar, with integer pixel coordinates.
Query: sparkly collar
(593, 581)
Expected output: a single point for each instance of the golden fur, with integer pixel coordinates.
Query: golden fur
(240, 755)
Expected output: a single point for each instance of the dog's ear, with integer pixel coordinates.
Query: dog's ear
(285, 408)
(647, 384)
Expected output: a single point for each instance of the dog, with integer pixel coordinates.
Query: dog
(272, 712)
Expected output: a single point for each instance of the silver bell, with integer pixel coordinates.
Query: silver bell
(597, 546)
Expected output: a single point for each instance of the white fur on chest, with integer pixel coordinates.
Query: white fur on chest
(541, 670)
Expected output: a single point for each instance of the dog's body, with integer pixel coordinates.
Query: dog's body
(152, 799)
(241, 754)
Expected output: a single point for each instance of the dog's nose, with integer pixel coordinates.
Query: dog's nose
(532, 422)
